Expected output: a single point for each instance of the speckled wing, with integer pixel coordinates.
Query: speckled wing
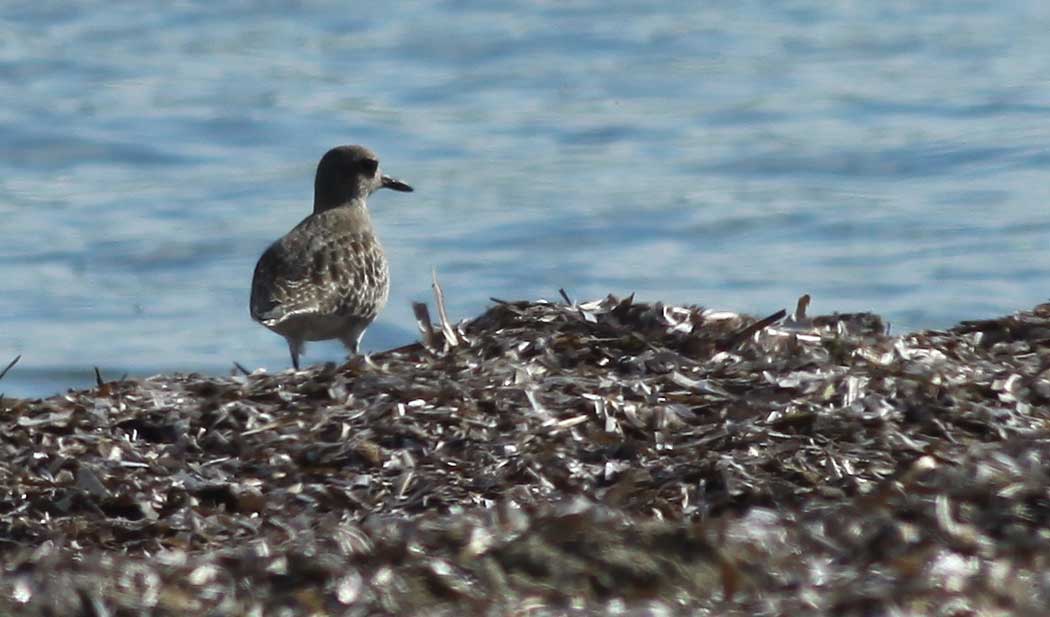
(320, 269)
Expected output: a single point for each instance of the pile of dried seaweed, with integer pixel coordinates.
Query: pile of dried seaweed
(549, 459)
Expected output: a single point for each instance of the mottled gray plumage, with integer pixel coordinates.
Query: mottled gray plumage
(327, 278)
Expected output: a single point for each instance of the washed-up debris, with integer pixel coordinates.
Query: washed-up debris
(9, 366)
(610, 457)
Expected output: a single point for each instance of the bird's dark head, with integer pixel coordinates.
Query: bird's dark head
(350, 174)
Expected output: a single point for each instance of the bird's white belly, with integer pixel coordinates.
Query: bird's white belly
(314, 327)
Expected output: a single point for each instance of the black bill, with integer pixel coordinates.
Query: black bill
(397, 185)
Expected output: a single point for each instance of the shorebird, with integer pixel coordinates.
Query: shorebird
(328, 278)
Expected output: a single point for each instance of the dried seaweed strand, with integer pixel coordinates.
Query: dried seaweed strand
(745, 333)
(10, 365)
(439, 298)
(426, 327)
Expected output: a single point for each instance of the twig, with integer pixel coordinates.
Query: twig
(241, 368)
(439, 297)
(426, 328)
(98, 377)
(568, 300)
(417, 346)
(800, 308)
(9, 365)
(745, 333)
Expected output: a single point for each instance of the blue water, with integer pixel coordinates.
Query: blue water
(887, 156)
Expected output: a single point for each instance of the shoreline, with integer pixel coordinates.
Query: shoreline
(551, 457)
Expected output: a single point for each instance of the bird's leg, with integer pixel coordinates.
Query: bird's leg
(352, 340)
(295, 347)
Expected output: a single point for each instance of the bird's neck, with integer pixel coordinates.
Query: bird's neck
(328, 202)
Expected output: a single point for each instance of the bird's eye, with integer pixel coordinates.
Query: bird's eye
(369, 166)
